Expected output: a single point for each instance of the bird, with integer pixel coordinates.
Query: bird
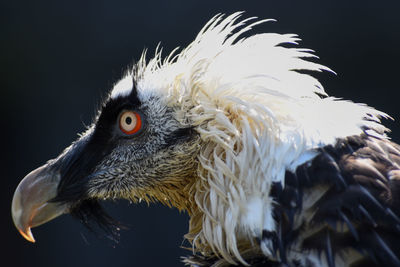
(236, 131)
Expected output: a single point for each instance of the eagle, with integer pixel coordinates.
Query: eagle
(235, 131)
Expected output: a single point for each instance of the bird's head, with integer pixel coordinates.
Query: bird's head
(135, 149)
(207, 130)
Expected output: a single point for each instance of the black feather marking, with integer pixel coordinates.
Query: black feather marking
(76, 165)
(281, 248)
(393, 216)
(340, 181)
(134, 93)
(92, 215)
(349, 225)
(387, 254)
(270, 236)
(179, 135)
(367, 215)
(328, 251)
(371, 199)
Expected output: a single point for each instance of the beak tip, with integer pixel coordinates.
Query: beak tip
(30, 205)
(19, 219)
(27, 234)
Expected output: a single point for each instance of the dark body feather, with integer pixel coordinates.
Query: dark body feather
(357, 208)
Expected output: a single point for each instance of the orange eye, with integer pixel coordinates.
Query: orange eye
(130, 122)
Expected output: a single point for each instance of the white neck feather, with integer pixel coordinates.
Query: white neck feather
(257, 117)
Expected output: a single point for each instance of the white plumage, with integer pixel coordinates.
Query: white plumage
(249, 102)
(274, 163)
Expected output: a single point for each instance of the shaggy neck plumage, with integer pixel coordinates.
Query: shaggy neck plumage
(257, 117)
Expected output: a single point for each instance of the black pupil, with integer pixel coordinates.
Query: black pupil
(128, 120)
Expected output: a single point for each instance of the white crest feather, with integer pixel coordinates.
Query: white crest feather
(257, 117)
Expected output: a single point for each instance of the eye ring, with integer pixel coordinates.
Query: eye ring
(130, 122)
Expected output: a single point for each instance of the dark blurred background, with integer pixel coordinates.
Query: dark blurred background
(58, 58)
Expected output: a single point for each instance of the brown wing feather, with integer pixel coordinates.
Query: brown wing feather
(353, 216)
(360, 208)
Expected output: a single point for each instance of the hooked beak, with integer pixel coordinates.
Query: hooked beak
(31, 204)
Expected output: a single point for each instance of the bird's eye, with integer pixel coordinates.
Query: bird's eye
(130, 122)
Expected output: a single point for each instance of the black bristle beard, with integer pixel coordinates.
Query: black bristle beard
(94, 217)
